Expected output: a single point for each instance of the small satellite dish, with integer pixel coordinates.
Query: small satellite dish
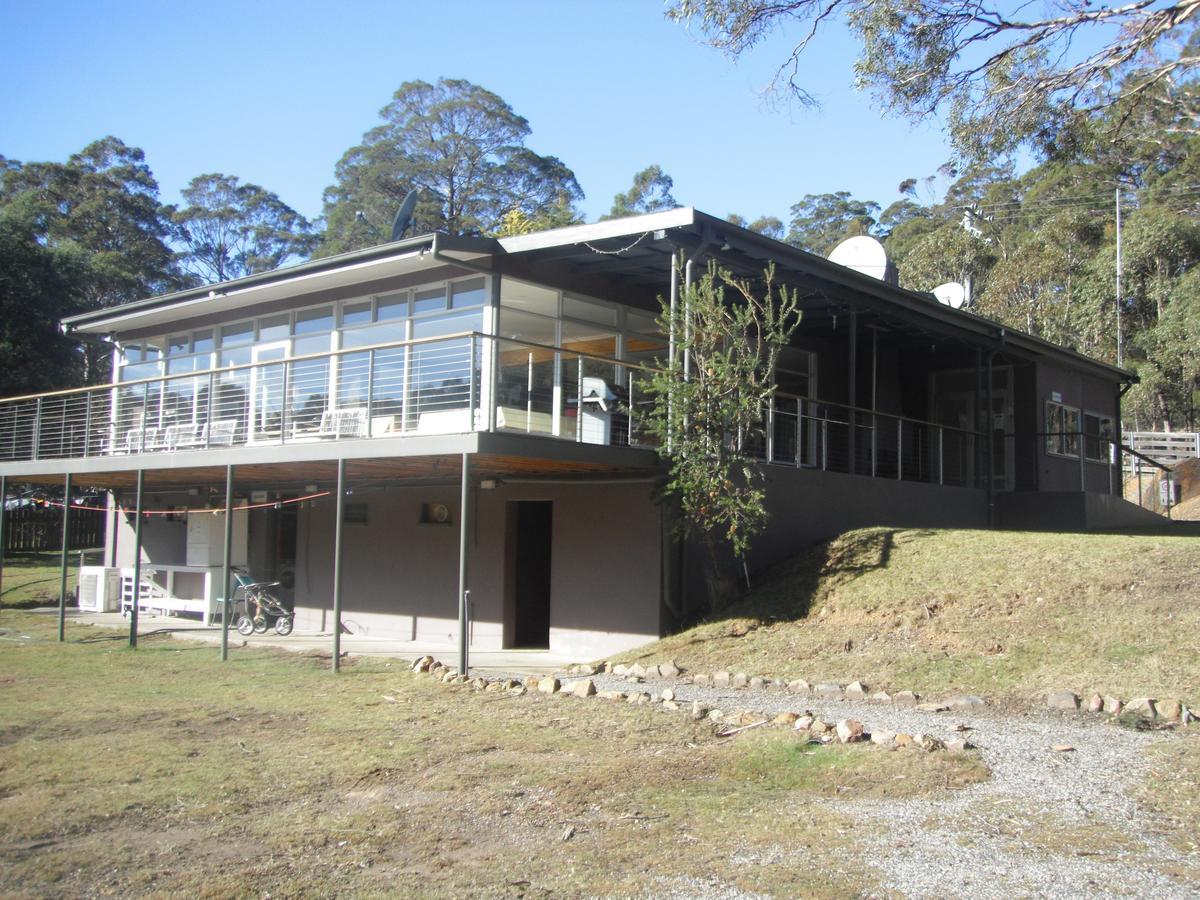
(952, 294)
(866, 255)
(404, 215)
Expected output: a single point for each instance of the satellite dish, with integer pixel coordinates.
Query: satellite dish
(866, 255)
(952, 294)
(404, 215)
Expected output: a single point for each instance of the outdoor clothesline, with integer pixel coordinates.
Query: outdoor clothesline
(207, 509)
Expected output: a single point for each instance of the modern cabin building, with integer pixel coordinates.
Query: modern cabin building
(508, 373)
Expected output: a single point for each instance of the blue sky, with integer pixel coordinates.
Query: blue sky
(275, 92)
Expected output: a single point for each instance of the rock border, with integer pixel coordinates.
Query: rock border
(844, 731)
(1149, 709)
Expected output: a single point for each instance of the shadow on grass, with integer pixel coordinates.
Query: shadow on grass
(787, 591)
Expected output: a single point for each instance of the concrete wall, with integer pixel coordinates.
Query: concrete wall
(401, 576)
(1070, 511)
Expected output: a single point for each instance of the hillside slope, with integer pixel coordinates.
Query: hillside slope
(1006, 614)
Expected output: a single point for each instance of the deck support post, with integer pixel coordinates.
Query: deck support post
(3, 513)
(339, 512)
(464, 533)
(64, 562)
(137, 559)
(852, 430)
(227, 566)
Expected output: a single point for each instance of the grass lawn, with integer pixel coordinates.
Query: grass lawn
(163, 771)
(32, 579)
(1007, 614)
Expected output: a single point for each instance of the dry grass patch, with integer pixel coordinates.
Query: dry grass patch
(163, 771)
(1008, 614)
(1171, 791)
(33, 579)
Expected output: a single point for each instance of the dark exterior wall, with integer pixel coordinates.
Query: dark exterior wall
(1089, 394)
(401, 577)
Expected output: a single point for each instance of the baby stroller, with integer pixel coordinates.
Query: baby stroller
(266, 607)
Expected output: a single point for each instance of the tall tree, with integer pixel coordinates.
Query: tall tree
(103, 203)
(650, 192)
(768, 226)
(228, 230)
(462, 147)
(1002, 75)
(821, 221)
(40, 282)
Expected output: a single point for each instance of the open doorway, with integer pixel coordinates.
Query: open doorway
(527, 574)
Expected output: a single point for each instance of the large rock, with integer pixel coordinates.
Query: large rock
(849, 731)
(1113, 705)
(667, 694)
(883, 738)
(1095, 704)
(739, 680)
(699, 710)
(422, 664)
(757, 683)
(1068, 700)
(932, 707)
(637, 670)
(1143, 706)
(804, 723)
(906, 698)
(584, 688)
(669, 669)
(549, 685)
(721, 679)
(785, 718)
(959, 745)
(929, 743)
(620, 670)
(856, 690)
(829, 691)
(800, 686)
(702, 680)
(903, 740)
(1169, 710)
(881, 697)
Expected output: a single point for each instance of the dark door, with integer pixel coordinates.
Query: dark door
(528, 604)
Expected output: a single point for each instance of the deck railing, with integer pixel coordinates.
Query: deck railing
(451, 384)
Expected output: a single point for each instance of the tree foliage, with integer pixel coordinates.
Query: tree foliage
(821, 221)
(650, 192)
(229, 230)
(1002, 75)
(707, 415)
(463, 148)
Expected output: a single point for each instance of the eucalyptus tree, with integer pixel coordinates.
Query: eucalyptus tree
(463, 149)
(650, 192)
(228, 229)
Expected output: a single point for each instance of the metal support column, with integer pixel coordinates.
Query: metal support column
(64, 562)
(464, 531)
(3, 510)
(137, 559)
(852, 394)
(339, 511)
(671, 343)
(227, 565)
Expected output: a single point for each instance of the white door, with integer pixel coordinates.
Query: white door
(267, 384)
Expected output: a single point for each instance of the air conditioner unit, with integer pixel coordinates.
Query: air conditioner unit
(99, 589)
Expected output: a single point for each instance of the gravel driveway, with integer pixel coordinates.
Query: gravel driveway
(1047, 823)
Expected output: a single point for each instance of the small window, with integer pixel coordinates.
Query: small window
(241, 333)
(314, 321)
(202, 341)
(356, 314)
(429, 300)
(1062, 430)
(178, 345)
(468, 293)
(393, 306)
(274, 328)
(1098, 434)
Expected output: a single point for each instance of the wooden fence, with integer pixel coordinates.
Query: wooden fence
(32, 527)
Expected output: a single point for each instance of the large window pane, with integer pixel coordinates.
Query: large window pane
(429, 300)
(314, 321)
(526, 327)
(528, 297)
(468, 293)
(235, 335)
(575, 308)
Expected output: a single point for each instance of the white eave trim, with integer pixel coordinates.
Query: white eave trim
(598, 231)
